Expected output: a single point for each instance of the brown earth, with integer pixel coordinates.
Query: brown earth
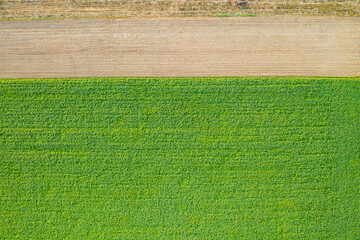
(261, 46)
(34, 9)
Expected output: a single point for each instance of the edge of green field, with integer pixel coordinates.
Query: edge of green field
(171, 79)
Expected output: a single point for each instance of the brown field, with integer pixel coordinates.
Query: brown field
(15, 9)
(261, 46)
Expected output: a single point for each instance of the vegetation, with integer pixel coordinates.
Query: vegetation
(180, 158)
(234, 15)
(59, 9)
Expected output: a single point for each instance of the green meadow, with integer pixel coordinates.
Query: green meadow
(180, 158)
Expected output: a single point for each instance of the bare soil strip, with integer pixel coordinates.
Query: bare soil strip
(261, 46)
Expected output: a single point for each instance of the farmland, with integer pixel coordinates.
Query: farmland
(171, 158)
(186, 47)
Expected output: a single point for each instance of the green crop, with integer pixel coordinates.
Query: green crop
(184, 158)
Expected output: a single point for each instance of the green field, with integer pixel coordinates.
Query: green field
(200, 158)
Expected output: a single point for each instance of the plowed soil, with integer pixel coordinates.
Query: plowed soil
(260, 46)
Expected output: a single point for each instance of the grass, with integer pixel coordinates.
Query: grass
(216, 158)
(235, 15)
(112, 17)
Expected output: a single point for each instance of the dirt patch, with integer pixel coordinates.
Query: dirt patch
(261, 46)
(35, 9)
